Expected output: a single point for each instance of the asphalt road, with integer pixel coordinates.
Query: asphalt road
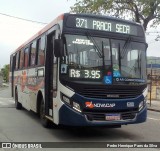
(24, 126)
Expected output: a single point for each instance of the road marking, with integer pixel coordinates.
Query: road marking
(6, 102)
(6, 98)
(153, 119)
(3, 103)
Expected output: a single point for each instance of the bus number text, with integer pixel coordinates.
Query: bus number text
(81, 23)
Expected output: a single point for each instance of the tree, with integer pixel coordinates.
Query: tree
(5, 72)
(141, 11)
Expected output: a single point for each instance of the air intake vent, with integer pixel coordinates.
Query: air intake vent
(128, 116)
(105, 93)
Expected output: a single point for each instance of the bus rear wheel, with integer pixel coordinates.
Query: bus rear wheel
(45, 122)
(17, 104)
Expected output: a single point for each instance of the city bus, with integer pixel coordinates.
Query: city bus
(83, 70)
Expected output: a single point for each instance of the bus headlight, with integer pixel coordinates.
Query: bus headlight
(76, 106)
(141, 104)
(66, 99)
(71, 103)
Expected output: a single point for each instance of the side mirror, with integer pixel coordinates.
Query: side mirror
(58, 48)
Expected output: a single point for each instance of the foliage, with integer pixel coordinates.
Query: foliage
(141, 11)
(5, 72)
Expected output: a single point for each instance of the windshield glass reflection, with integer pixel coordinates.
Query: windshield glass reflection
(93, 58)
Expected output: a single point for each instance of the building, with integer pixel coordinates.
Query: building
(153, 74)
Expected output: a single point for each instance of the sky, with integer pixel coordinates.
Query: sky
(13, 31)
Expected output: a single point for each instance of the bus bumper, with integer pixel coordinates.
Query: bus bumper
(70, 117)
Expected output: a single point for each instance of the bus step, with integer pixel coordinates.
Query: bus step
(49, 118)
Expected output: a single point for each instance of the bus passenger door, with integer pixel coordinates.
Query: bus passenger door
(49, 76)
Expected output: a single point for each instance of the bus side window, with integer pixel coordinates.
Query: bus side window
(26, 57)
(33, 54)
(21, 59)
(41, 51)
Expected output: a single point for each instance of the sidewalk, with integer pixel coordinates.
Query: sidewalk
(155, 105)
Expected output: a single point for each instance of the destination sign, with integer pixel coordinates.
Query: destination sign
(102, 25)
(108, 25)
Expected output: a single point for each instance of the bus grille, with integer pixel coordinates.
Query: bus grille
(104, 93)
(101, 116)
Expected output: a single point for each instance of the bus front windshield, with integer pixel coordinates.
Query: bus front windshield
(103, 60)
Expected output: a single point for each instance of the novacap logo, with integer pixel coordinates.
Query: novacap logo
(99, 105)
(89, 105)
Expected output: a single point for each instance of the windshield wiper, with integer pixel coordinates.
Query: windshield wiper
(119, 56)
(124, 50)
(99, 52)
(139, 63)
(103, 55)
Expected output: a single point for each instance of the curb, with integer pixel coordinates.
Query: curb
(153, 109)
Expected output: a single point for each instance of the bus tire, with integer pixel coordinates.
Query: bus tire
(17, 104)
(44, 121)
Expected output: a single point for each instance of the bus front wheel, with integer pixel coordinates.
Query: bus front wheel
(17, 104)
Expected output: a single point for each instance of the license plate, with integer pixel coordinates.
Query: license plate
(113, 117)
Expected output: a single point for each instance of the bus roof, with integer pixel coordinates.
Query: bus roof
(43, 30)
(61, 17)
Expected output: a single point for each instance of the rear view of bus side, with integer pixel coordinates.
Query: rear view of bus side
(83, 70)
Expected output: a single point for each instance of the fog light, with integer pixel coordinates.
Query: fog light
(141, 105)
(76, 106)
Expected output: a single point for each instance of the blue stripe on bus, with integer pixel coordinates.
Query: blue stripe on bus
(120, 104)
(68, 116)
